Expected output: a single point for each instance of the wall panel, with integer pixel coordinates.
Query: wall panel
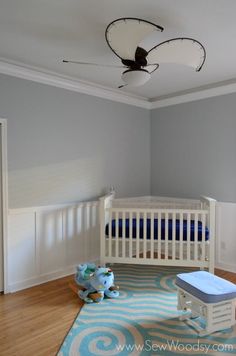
(48, 242)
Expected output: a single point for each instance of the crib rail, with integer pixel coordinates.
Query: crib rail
(162, 210)
(162, 204)
(126, 240)
(164, 234)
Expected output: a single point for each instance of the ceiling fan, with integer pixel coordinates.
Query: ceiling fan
(124, 36)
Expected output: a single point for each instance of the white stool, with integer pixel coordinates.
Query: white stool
(207, 296)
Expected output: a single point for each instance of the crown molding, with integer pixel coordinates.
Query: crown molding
(38, 75)
(209, 91)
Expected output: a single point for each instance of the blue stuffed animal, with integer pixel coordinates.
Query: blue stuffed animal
(98, 282)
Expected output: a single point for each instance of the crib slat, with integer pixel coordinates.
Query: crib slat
(181, 236)
(203, 244)
(137, 234)
(159, 236)
(173, 235)
(166, 235)
(130, 235)
(110, 234)
(123, 233)
(117, 235)
(152, 235)
(145, 235)
(188, 235)
(195, 237)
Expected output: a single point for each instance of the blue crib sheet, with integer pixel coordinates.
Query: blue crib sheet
(170, 224)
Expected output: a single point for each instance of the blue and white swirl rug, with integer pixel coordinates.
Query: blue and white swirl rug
(142, 321)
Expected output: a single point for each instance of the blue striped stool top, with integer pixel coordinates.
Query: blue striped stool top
(206, 286)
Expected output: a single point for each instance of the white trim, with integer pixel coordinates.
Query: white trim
(35, 209)
(44, 278)
(50, 78)
(4, 171)
(224, 263)
(36, 226)
(217, 90)
(34, 281)
(39, 75)
(226, 266)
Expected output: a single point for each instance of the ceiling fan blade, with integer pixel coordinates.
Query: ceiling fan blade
(93, 64)
(124, 35)
(185, 51)
(151, 67)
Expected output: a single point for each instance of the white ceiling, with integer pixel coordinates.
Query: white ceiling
(40, 33)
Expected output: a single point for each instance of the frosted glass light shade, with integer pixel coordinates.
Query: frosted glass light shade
(135, 78)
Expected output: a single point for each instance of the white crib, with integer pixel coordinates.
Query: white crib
(158, 231)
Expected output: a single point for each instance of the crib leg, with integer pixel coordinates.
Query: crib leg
(211, 267)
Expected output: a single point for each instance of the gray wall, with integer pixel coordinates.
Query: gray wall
(65, 146)
(193, 149)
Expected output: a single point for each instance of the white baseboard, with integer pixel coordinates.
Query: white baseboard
(226, 267)
(71, 270)
(14, 287)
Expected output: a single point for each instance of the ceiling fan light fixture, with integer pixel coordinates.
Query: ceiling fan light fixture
(124, 36)
(135, 77)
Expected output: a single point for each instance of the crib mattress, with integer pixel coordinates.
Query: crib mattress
(206, 286)
(156, 237)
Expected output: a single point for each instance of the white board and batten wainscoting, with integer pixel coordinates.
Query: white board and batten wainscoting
(226, 236)
(46, 243)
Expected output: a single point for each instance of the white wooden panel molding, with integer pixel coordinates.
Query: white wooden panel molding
(226, 236)
(35, 74)
(21, 247)
(46, 243)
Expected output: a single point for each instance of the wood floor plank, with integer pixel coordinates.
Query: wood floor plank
(35, 321)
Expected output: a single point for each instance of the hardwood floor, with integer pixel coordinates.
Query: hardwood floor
(226, 275)
(35, 321)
